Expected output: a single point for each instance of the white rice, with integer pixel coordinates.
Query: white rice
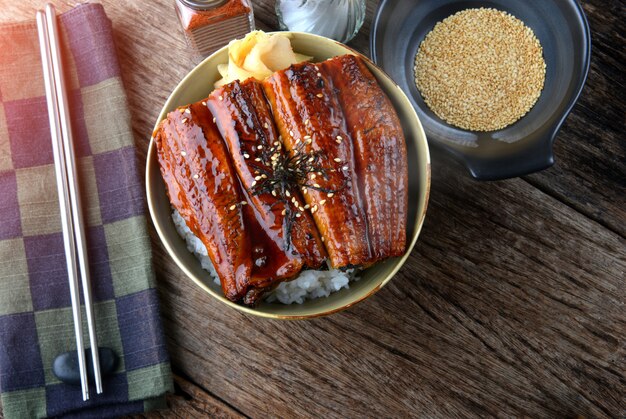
(308, 285)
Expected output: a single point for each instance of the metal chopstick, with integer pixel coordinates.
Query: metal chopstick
(68, 190)
(72, 176)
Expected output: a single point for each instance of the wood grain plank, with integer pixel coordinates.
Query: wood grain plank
(190, 401)
(590, 170)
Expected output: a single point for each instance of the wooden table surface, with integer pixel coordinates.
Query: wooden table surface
(511, 303)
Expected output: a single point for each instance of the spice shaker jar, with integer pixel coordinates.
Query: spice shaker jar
(336, 19)
(210, 24)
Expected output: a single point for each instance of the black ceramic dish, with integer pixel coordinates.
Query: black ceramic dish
(526, 146)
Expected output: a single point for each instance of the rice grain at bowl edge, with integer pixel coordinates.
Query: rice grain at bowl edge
(308, 285)
(480, 69)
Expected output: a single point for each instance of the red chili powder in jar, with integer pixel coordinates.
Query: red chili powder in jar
(211, 24)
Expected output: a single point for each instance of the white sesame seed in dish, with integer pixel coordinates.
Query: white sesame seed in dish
(480, 69)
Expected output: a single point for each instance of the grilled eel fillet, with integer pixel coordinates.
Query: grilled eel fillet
(245, 121)
(379, 150)
(310, 120)
(202, 186)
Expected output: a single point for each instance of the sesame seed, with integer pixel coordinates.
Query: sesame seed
(265, 125)
(316, 185)
(214, 119)
(246, 156)
(345, 168)
(307, 206)
(307, 137)
(232, 207)
(263, 176)
(313, 176)
(253, 183)
(319, 74)
(221, 98)
(187, 110)
(337, 159)
(203, 103)
(313, 209)
(480, 69)
(196, 176)
(322, 202)
(319, 95)
(322, 238)
(309, 141)
(182, 110)
(298, 215)
(301, 208)
(183, 153)
(287, 193)
(305, 191)
(291, 133)
(297, 140)
(306, 122)
(244, 203)
(284, 212)
(273, 192)
(257, 159)
(311, 159)
(183, 120)
(257, 178)
(330, 195)
(276, 143)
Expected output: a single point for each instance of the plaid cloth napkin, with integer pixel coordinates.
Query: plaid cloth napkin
(35, 309)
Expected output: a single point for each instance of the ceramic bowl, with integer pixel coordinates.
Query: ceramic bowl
(196, 86)
(526, 146)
